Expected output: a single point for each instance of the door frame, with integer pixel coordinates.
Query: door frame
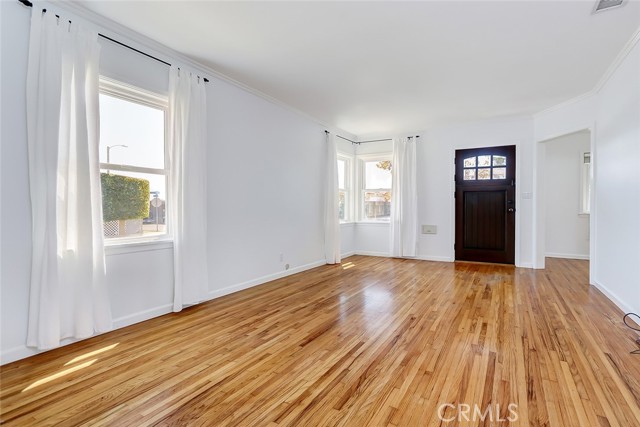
(518, 198)
(539, 205)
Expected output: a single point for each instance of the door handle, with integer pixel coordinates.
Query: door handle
(511, 210)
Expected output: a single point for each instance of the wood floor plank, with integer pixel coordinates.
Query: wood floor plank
(385, 342)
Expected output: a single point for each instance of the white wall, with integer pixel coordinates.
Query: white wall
(15, 239)
(617, 178)
(436, 186)
(612, 113)
(435, 169)
(567, 231)
(264, 191)
(573, 116)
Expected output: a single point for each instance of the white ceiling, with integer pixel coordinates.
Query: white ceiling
(392, 67)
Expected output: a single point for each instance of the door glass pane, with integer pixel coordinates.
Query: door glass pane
(484, 160)
(469, 174)
(470, 162)
(499, 173)
(484, 173)
(499, 161)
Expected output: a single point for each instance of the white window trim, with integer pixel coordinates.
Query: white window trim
(349, 188)
(360, 178)
(137, 95)
(585, 183)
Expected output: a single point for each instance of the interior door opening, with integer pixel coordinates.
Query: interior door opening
(567, 196)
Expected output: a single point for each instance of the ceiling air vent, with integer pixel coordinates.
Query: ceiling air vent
(607, 4)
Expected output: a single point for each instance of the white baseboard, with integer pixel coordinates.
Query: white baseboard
(264, 279)
(434, 258)
(347, 254)
(567, 256)
(525, 265)
(17, 353)
(21, 352)
(367, 253)
(419, 257)
(141, 316)
(612, 297)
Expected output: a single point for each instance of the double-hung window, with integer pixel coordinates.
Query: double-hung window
(375, 200)
(133, 161)
(345, 192)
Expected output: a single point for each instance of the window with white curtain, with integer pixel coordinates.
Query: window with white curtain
(133, 162)
(345, 191)
(585, 183)
(375, 192)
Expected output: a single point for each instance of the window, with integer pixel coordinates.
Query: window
(585, 183)
(344, 188)
(376, 189)
(133, 164)
(485, 167)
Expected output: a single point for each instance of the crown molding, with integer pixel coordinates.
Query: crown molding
(126, 35)
(566, 103)
(139, 41)
(622, 55)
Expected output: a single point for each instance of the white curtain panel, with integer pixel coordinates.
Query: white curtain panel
(404, 195)
(331, 207)
(68, 295)
(188, 189)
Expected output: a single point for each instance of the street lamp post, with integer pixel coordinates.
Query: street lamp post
(109, 147)
(156, 204)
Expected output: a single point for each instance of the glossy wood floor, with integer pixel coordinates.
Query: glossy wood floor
(374, 342)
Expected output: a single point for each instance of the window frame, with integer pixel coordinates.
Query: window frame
(585, 183)
(362, 188)
(348, 187)
(129, 93)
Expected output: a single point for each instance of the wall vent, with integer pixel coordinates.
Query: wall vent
(607, 4)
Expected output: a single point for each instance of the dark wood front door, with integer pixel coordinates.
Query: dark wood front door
(485, 204)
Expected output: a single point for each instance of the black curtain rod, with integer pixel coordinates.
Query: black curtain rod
(29, 4)
(371, 140)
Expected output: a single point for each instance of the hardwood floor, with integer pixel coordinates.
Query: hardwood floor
(374, 342)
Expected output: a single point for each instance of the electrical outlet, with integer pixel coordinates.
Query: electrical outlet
(429, 229)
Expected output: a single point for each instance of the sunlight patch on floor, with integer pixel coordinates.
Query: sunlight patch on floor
(90, 354)
(60, 374)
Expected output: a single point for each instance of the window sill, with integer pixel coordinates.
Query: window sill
(117, 248)
(374, 223)
(349, 223)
